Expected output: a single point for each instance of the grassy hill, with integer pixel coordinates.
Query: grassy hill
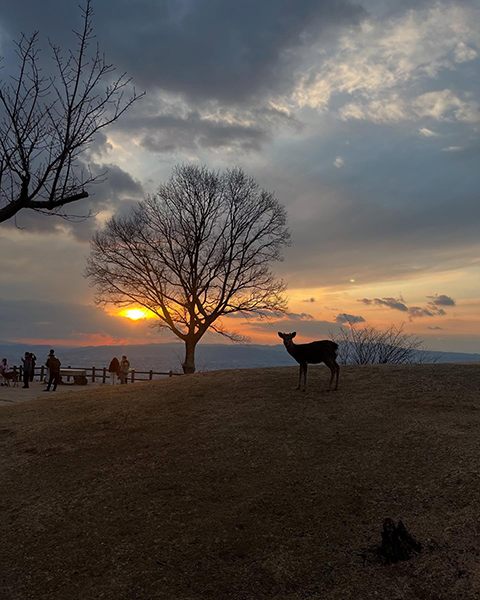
(233, 485)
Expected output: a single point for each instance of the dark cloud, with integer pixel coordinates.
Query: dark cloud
(394, 303)
(163, 127)
(346, 318)
(414, 312)
(222, 49)
(435, 328)
(309, 300)
(442, 300)
(430, 311)
(299, 317)
(172, 134)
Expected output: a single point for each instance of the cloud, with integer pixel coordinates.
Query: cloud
(394, 303)
(435, 328)
(414, 312)
(376, 69)
(309, 300)
(452, 149)
(171, 127)
(442, 300)
(446, 105)
(464, 53)
(346, 318)
(339, 162)
(442, 105)
(299, 317)
(427, 132)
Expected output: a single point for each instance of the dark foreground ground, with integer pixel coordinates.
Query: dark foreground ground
(232, 485)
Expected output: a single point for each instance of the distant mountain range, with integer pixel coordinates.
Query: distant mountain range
(169, 356)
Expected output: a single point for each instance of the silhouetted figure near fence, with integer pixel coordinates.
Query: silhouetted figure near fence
(34, 362)
(114, 370)
(27, 369)
(47, 372)
(53, 366)
(4, 370)
(124, 369)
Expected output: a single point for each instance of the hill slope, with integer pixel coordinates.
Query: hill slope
(232, 485)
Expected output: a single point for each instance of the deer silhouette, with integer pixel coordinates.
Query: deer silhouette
(324, 351)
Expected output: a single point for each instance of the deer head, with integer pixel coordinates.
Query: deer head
(287, 337)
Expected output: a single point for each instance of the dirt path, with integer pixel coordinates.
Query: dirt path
(16, 395)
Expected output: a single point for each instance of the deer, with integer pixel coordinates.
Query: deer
(324, 351)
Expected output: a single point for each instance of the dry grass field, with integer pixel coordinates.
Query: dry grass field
(233, 485)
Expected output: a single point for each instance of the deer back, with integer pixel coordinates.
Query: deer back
(314, 352)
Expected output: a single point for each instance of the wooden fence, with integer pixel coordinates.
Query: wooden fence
(99, 374)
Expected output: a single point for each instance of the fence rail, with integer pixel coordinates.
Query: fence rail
(98, 374)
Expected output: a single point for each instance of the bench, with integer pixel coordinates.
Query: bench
(79, 375)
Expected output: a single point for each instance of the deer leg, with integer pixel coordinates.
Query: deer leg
(299, 377)
(305, 367)
(337, 369)
(331, 366)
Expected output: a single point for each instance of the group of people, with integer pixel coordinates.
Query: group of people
(119, 370)
(28, 370)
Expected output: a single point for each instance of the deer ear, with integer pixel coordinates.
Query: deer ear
(294, 334)
(280, 334)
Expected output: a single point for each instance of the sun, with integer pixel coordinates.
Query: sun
(134, 314)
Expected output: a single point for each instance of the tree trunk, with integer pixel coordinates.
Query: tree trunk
(189, 363)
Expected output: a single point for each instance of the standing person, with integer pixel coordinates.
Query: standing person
(53, 366)
(34, 362)
(4, 368)
(114, 370)
(27, 369)
(124, 368)
(47, 372)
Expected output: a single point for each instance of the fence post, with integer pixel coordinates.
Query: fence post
(21, 372)
(68, 376)
(93, 374)
(104, 378)
(41, 372)
(170, 374)
(150, 375)
(133, 375)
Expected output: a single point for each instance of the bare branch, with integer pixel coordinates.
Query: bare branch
(46, 123)
(368, 345)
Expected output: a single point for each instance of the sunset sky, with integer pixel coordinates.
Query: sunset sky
(364, 118)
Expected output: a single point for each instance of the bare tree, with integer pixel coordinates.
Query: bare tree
(199, 249)
(367, 345)
(47, 122)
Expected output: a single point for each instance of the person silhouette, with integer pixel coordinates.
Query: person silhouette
(53, 365)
